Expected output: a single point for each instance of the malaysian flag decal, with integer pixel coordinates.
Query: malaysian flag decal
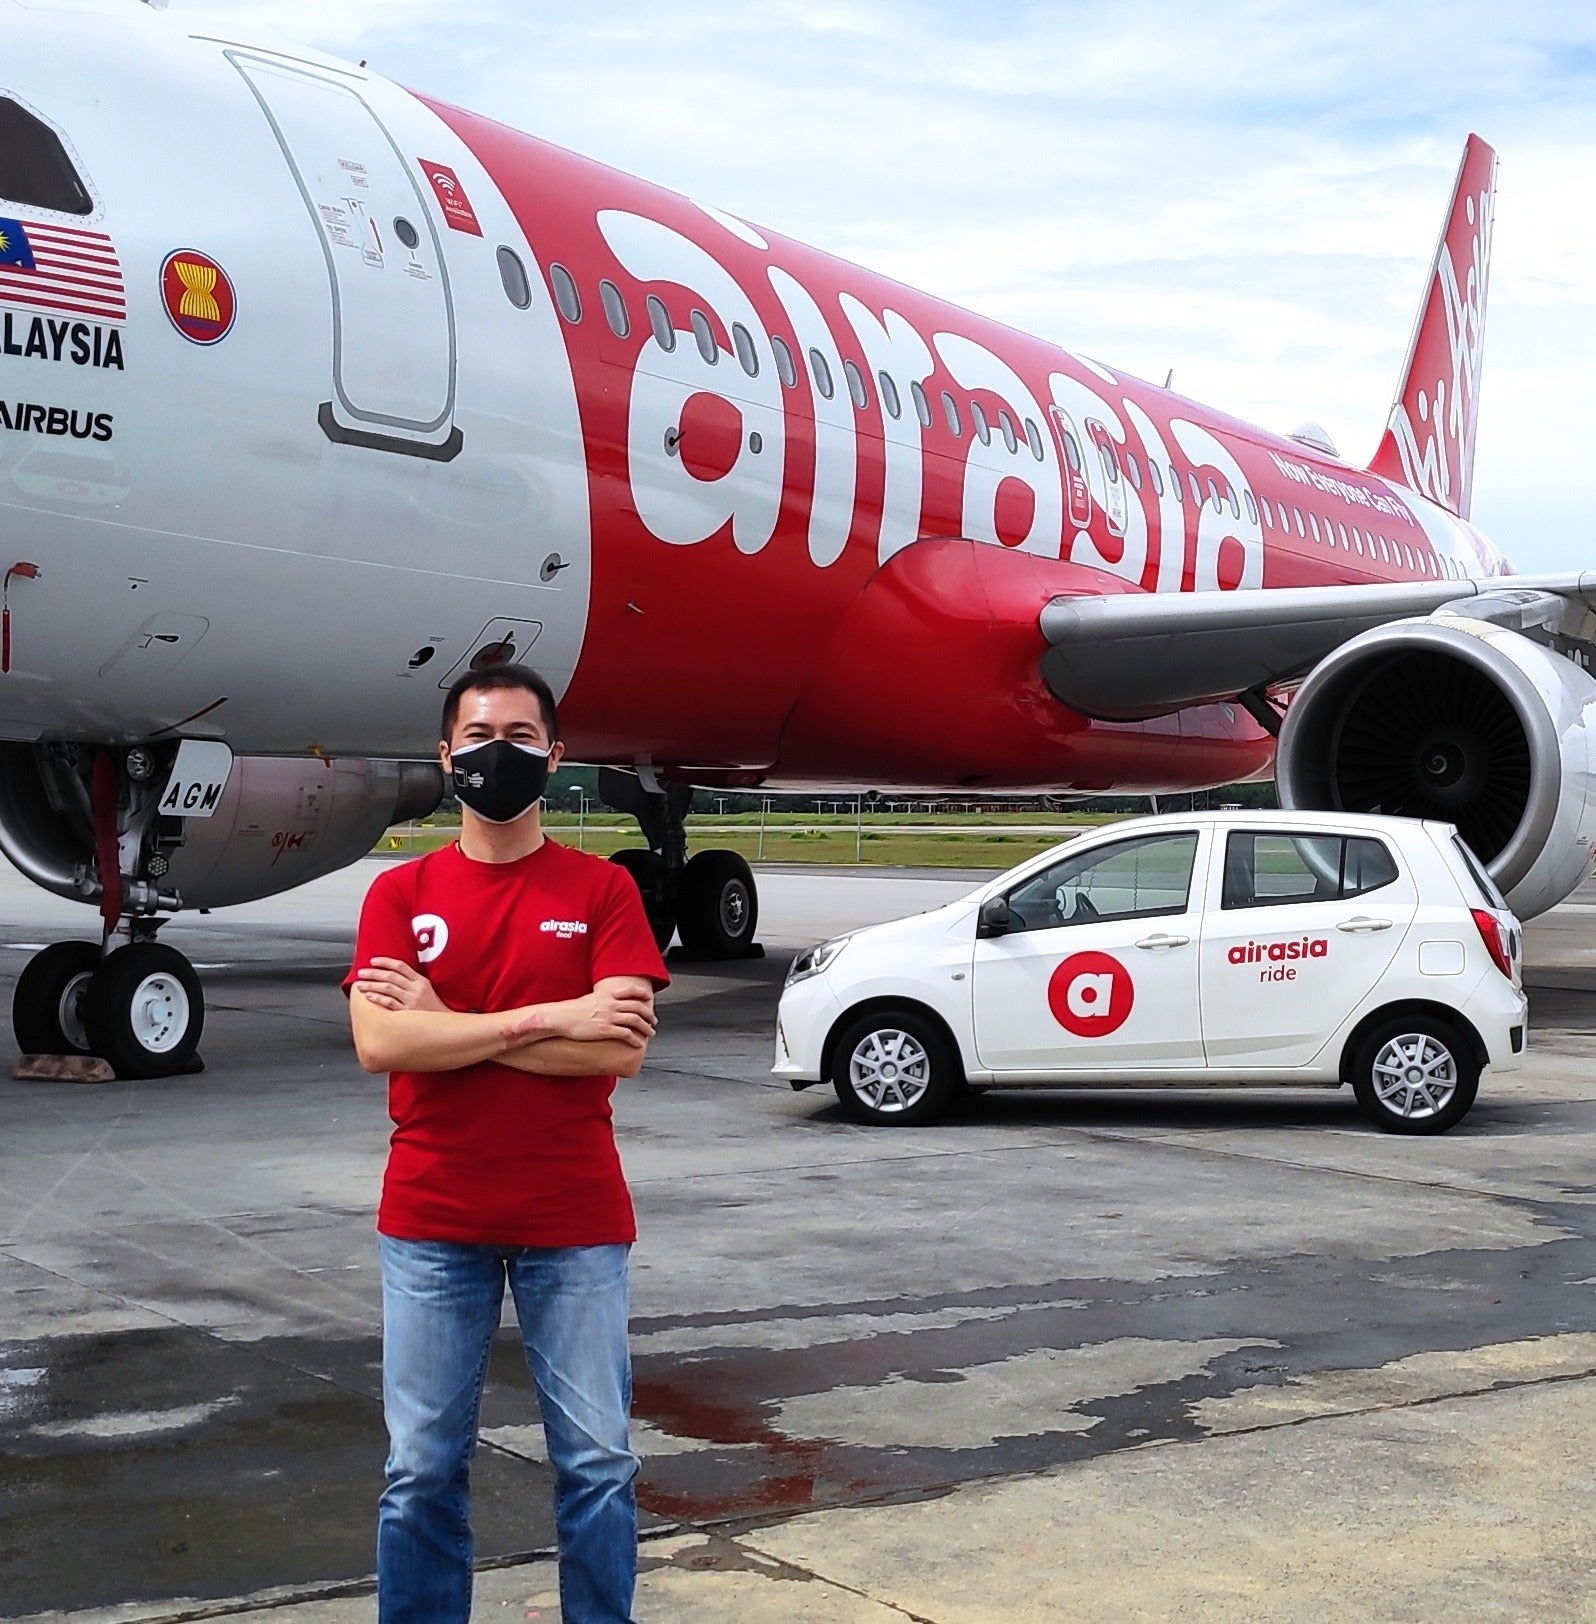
(61, 269)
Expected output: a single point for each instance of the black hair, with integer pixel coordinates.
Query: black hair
(500, 676)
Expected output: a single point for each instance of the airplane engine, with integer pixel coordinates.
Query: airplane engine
(1459, 720)
(280, 822)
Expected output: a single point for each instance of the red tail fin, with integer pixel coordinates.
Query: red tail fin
(1429, 438)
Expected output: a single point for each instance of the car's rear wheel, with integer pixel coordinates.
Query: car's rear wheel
(894, 1067)
(1415, 1074)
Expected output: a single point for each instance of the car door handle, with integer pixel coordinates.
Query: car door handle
(1153, 944)
(1363, 925)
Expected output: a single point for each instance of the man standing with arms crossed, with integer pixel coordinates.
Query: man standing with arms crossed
(504, 983)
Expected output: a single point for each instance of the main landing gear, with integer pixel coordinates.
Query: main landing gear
(710, 899)
(130, 1000)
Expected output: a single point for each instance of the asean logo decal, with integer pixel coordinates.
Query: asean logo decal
(432, 936)
(198, 295)
(1091, 995)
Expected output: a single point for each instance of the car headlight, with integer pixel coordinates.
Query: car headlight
(815, 959)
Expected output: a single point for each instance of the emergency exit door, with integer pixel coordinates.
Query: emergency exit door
(393, 331)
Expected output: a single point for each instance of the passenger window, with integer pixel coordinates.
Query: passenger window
(1366, 866)
(659, 319)
(1358, 540)
(512, 273)
(1266, 870)
(1407, 555)
(922, 406)
(823, 379)
(743, 343)
(856, 385)
(1285, 520)
(1157, 478)
(1235, 506)
(1213, 494)
(1131, 879)
(1196, 491)
(1033, 438)
(614, 309)
(566, 298)
(950, 410)
(785, 369)
(705, 335)
(1006, 427)
(1072, 452)
(1134, 469)
(1313, 525)
(889, 395)
(1110, 466)
(982, 427)
(1252, 507)
(1174, 484)
(1302, 529)
(34, 167)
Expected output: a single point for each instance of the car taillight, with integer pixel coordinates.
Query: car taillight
(1495, 939)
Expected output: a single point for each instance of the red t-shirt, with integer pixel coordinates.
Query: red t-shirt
(488, 1154)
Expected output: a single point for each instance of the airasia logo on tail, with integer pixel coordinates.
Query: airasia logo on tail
(1091, 994)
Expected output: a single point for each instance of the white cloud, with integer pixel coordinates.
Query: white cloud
(1248, 193)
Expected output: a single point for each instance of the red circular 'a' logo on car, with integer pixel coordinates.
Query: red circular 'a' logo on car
(1091, 994)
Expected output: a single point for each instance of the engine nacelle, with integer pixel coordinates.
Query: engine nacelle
(281, 821)
(1458, 720)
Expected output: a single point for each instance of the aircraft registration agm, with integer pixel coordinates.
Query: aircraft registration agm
(413, 392)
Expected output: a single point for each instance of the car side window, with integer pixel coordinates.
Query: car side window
(1270, 869)
(1130, 879)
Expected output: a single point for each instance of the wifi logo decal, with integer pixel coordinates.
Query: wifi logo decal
(451, 196)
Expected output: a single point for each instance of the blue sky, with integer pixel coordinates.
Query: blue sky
(1248, 193)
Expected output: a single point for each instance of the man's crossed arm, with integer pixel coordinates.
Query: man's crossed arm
(400, 1024)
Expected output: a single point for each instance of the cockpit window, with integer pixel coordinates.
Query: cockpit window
(34, 167)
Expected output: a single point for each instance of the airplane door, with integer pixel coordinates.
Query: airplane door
(393, 332)
(1076, 489)
(1113, 485)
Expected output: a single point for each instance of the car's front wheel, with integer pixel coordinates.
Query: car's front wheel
(895, 1067)
(1415, 1074)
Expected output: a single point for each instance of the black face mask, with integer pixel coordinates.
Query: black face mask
(498, 780)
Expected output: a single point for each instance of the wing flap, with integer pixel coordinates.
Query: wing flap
(1130, 657)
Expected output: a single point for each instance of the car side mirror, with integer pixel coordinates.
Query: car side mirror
(996, 918)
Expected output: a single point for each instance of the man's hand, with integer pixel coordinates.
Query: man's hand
(393, 984)
(608, 1014)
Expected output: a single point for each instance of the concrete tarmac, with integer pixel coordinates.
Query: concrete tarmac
(1106, 1356)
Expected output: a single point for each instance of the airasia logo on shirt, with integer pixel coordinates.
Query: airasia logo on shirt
(1091, 995)
(432, 936)
(565, 929)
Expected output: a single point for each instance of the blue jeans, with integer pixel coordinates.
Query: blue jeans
(441, 1302)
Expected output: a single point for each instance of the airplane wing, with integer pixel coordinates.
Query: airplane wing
(1126, 658)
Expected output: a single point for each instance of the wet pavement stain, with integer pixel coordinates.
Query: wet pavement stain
(195, 1466)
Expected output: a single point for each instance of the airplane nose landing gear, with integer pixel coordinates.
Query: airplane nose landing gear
(131, 1001)
(144, 1011)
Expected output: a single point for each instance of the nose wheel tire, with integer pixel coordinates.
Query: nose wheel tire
(1415, 1074)
(145, 1011)
(894, 1067)
(718, 906)
(47, 1007)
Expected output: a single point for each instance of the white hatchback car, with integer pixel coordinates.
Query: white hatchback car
(1229, 948)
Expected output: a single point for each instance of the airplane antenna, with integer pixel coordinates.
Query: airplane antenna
(1169, 377)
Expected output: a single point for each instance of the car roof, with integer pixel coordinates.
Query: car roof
(1271, 818)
